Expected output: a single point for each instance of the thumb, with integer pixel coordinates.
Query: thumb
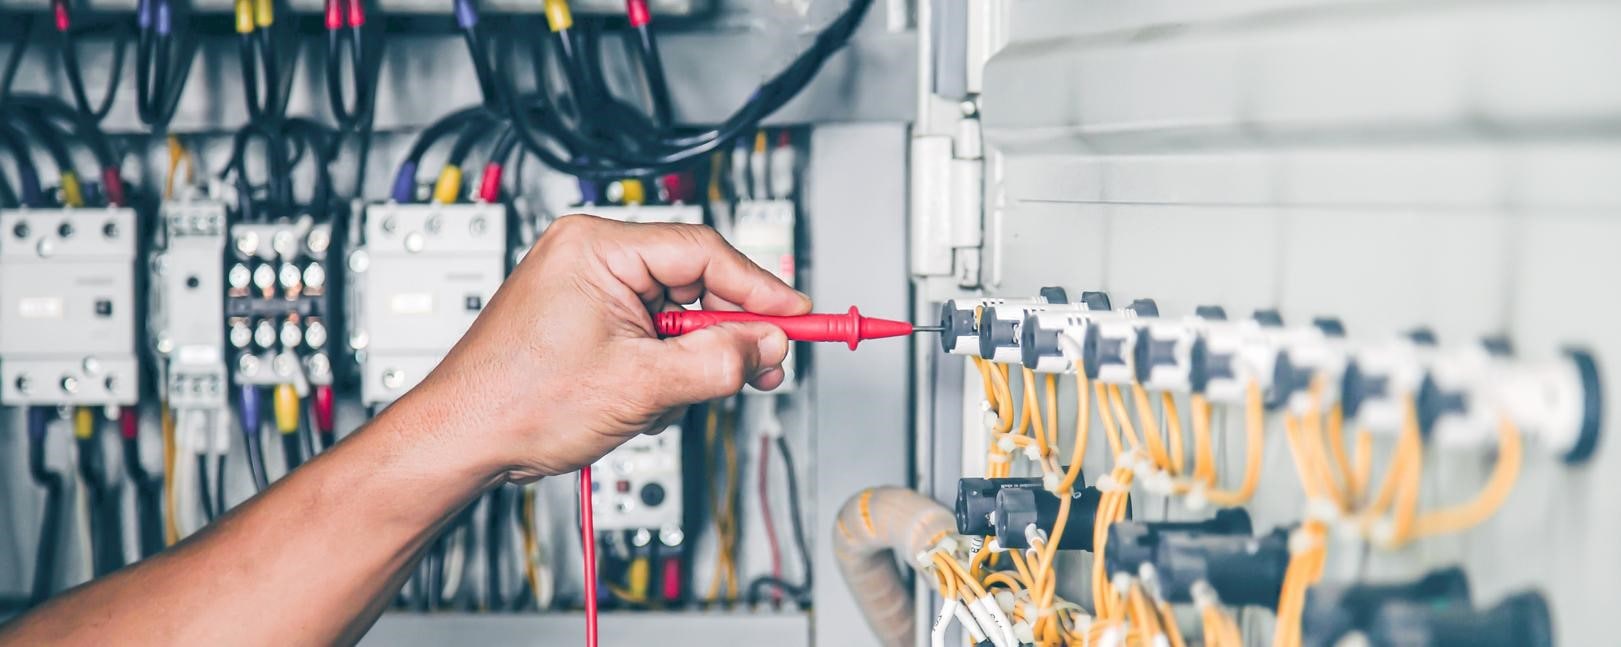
(715, 362)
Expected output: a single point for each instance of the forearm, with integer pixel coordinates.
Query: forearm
(311, 560)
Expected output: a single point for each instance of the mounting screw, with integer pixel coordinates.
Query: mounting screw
(393, 378)
(318, 240)
(70, 384)
(110, 230)
(24, 385)
(21, 230)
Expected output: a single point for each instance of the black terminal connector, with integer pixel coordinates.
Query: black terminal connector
(1334, 611)
(1054, 294)
(976, 502)
(1268, 318)
(996, 332)
(1019, 508)
(1096, 301)
(1244, 570)
(1330, 326)
(1210, 313)
(955, 324)
(1133, 543)
(1144, 308)
(1520, 620)
(1358, 386)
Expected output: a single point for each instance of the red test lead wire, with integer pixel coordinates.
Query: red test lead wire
(588, 545)
(850, 327)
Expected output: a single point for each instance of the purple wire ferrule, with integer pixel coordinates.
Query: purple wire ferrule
(466, 14)
(404, 182)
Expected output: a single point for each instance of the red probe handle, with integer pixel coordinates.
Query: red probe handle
(849, 327)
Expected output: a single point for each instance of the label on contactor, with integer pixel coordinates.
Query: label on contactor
(40, 308)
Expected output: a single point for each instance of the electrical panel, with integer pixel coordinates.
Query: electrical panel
(68, 307)
(188, 302)
(422, 277)
(638, 486)
(279, 308)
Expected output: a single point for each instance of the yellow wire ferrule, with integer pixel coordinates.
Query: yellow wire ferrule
(558, 16)
(632, 192)
(286, 408)
(264, 12)
(84, 423)
(72, 195)
(244, 16)
(449, 185)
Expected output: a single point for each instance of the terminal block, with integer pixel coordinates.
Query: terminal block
(424, 274)
(279, 307)
(960, 318)
(68, 325)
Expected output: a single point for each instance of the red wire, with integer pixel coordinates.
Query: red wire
(588, 542)
(765, 514)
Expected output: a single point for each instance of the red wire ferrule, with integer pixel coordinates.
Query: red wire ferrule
(129, 423)
(323, 410)
(113, 185)
(672, 579)
(64, 20)
(334, 14)
(489, 184)
(636, 12)
(357, 13)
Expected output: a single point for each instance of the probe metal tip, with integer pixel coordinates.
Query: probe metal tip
(928, 328)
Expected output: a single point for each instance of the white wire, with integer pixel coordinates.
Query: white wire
(455, 562)
(937, 636)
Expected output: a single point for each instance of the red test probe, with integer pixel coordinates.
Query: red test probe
(850, 327)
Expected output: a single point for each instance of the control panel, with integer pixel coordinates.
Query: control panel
(67, 307)
(422, 277)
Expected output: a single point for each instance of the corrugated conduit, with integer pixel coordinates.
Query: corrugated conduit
(873, 528)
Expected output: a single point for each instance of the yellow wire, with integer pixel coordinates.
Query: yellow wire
(1150, 427)
(1173, 424)
(1255, 427)
(1489, 499)
(531, 541)
(171, 526)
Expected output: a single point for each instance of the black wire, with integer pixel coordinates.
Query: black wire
(85, 131)
(106, 522)
(22, 157)
(256, 461)
(672, 152)
(219, 484)
(50, 525)
(291, 451)
(75, 74)
(15, 59)
(159, 77)
(148, 499)
(658, 88)
(203, 490)
(365, 59)
(799, 592)
(496, 527)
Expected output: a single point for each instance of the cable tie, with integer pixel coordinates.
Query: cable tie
(1032, 452)
(1121, 582)
(1005, 443)
(1005, 600)
(1323, 510)
(1024, 633)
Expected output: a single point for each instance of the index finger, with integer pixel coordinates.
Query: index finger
(656, 259)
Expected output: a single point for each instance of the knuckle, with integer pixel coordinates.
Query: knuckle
(731, 373)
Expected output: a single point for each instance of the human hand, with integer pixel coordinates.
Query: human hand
(564, 363)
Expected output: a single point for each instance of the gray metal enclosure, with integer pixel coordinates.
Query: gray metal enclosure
(1450, 165)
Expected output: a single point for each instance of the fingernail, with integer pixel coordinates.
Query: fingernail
(773, 347)
(804, 296)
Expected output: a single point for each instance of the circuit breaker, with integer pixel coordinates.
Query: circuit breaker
(638, 485)
(188, 303)
(423, 276)
(279, 310)
(67, 307)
